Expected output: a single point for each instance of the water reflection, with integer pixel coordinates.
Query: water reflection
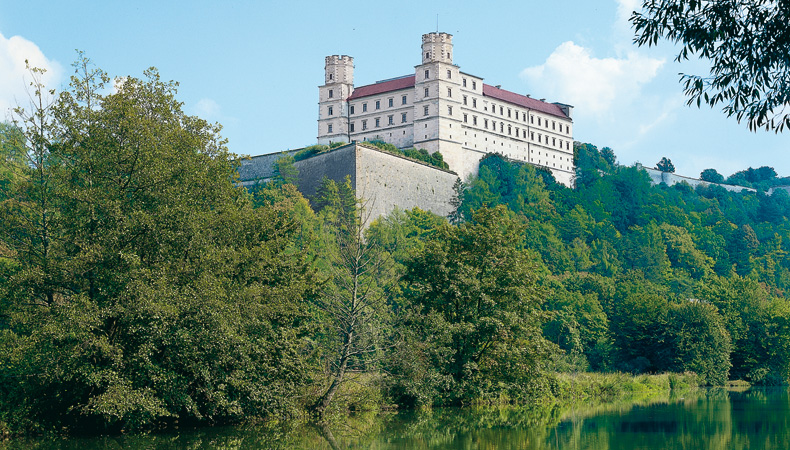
(714, 419)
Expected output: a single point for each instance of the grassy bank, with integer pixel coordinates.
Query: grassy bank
(610, 387)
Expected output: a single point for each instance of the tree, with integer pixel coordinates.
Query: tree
(145, 288)
(711, 176)
(353, 298)
(700, 341)
(747, 43)
(474, 299)
(665, 165)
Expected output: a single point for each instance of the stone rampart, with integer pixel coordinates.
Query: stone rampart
(383, 180)
(670, 179)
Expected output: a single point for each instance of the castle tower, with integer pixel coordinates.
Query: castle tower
(437, 47)
(332, 106)
(437, 99)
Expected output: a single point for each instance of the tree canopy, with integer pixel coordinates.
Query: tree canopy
(747, 44)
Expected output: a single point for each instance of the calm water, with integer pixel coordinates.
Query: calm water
(706, 419)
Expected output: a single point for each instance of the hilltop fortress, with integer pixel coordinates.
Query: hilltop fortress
(440, 108)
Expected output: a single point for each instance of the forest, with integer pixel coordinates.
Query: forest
(141, 288)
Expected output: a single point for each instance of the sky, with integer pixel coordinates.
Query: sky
(255, 66)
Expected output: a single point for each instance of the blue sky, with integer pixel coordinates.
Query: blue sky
(254, 66)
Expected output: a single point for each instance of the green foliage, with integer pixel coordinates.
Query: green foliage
(474, 319)
(662, 245)
(665, 165)
(700, 341)
(435, 159)
(316, 149)
(746, 44)
(145, 288)
(711, 175)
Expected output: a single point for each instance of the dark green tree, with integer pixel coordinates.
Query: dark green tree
(474, 300)
(712, 176)
(665, 165)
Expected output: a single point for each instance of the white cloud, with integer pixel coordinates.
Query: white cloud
(207, 109)
(15, 78)
(593, 85)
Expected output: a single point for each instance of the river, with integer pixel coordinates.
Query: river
(711, 419)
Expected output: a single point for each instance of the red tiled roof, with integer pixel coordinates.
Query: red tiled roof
(523, 101)
(383, 86)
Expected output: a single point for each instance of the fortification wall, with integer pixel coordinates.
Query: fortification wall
(386, 181)
(670, 179)
(383, 180)
(335, 165)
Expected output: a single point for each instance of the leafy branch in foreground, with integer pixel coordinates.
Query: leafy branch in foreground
(747, 43)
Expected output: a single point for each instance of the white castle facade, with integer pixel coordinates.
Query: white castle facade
(440, 108)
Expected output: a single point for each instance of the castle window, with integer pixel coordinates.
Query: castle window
(532, 119)
(450, 110)
(330, 111)
(427, 74)
(553, 141)
(474, 85)
(532, 136)
(364, 107)
(449, 92)
(390, 120)
(509, 130)
(501, 111)
(464, 82)
(351, 127)
(391, 102)
(485, 123)
(364, 124)
(403, 118)
(329, 128)
(378, 104)
(403, 100)
(539, 136)
(330, 79)
(378, 122)
(465, 118)
(474, 103)
(501, 127)
(427, 92)
(493, 108)
(553, 125)
(427, 56)
(538, 121)
(508, 112)
(425, 110)
(524, 117)
(449, 74)
(516, 131)
(567, 146)
(351, 109)
(524, 133)
(464, 100)
(474, 120)
(331, 93)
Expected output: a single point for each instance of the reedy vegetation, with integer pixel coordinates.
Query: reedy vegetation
(140, 287)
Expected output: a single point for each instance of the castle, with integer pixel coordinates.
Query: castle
(440, 108)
